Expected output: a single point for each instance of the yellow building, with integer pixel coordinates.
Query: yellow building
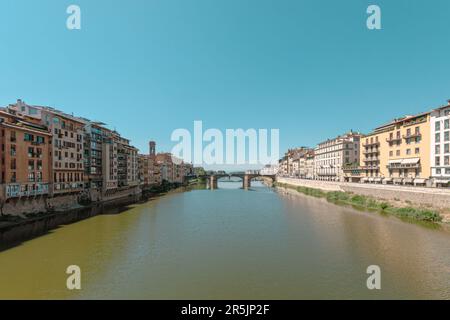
(397, 152)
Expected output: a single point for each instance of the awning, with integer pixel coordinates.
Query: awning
(411, 161)
(398, 161)
(377, 179)
(442, 181)
(370, 179)
(387, 179)
(419, 180)
(398, 179)
(364, 179)
(408, 180)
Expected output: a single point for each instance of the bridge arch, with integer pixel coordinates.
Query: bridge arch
(246, 179)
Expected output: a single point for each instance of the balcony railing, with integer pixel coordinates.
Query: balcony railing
(370, 167)
(371, 152)
(393, 139)
(372, 159)
(412, 135)
(403, 166)
(14, 190)
(371, 144)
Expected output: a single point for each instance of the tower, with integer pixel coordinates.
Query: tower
(152, 148)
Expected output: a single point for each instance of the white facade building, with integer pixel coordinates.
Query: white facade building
(330, 156)
(440, 145)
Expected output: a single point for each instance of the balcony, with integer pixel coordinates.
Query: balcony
(393, 139)
(408, 163)
(15, 190)
(370, 167)
(412, 135)
(371, 152)
(371, 144)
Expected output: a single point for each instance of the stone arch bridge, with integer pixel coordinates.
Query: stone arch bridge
(246, 179)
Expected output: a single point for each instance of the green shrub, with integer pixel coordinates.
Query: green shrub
(369, 203)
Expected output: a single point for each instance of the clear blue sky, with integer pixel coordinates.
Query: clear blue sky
(146, 67)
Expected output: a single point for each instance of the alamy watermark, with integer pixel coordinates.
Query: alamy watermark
(73, 281)
(234, 147)
(73, 21)
(374, 280)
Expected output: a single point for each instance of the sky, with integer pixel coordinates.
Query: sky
(310, 68)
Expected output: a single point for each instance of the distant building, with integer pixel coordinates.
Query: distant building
(269, 170)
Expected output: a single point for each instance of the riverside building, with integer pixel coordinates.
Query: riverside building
(25, 157)
(333, 155)
(398, 152)
(440, 146)
(67, 145)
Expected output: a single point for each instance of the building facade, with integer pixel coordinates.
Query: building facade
(440, 146)
(398, 152)
(67, 145)
(25, 154)
(333, 155)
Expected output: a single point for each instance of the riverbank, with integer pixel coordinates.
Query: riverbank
(14, 229)
(369, 203)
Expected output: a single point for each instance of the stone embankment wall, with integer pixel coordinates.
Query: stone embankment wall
(432, 197)
(24, 206)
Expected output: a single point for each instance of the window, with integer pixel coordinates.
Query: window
(30, 152)
(446, 148)
(417, 151)
(447, 170)
(437, 137)
(40, 140)
(447, 136)
(446, 124)
(13, 136)
(408, 152)
(417, 130)
(438, 161)
(13, 150)
(30, 165)
(397, 153)
(28, 137)
(437, 149)
(446, 160)
(437, 126)
(391, 153)
(438, 171)
(408, 132)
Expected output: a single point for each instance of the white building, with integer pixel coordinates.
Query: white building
(269, 170)
(330, 156)
(440, 145)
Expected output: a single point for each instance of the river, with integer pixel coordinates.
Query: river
(232, 244)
